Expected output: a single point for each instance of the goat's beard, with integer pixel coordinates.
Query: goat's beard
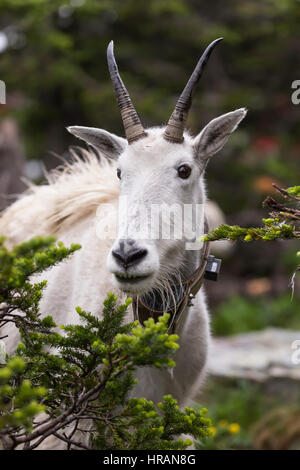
(168, 281)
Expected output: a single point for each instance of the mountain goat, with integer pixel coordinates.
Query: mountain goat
(158, 168)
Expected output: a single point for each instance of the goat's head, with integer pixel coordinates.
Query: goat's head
(158, 168)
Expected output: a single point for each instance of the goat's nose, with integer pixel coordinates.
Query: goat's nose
(129, 257)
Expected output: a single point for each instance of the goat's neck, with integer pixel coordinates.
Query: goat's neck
(192, 258)
(191, 263)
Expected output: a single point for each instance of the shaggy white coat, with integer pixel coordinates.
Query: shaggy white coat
(66, 208)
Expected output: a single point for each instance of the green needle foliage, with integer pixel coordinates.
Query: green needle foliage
(24, 398)
(270, 231)
(283, 223)
(81, 376)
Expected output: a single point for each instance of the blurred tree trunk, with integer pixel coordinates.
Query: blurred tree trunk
(11, 163)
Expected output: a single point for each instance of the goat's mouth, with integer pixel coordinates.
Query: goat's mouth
(134, 284)
(126, 278)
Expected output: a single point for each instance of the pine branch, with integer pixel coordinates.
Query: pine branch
(83, 373)
(283, 223)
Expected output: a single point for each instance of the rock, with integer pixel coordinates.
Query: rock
(261, 356)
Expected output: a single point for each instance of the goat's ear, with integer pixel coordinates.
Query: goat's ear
(212, 138)
(109, 144)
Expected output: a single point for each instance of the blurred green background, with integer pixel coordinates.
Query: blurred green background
(53, 61)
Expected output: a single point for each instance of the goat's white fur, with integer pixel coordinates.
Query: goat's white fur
(66, 207)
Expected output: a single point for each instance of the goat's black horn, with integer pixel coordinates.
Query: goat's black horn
(177, 122)
(132, 124)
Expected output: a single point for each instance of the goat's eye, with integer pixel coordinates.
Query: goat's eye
(119, 173)
(184, 171)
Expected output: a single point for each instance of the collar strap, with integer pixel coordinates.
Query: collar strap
(191, 287)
